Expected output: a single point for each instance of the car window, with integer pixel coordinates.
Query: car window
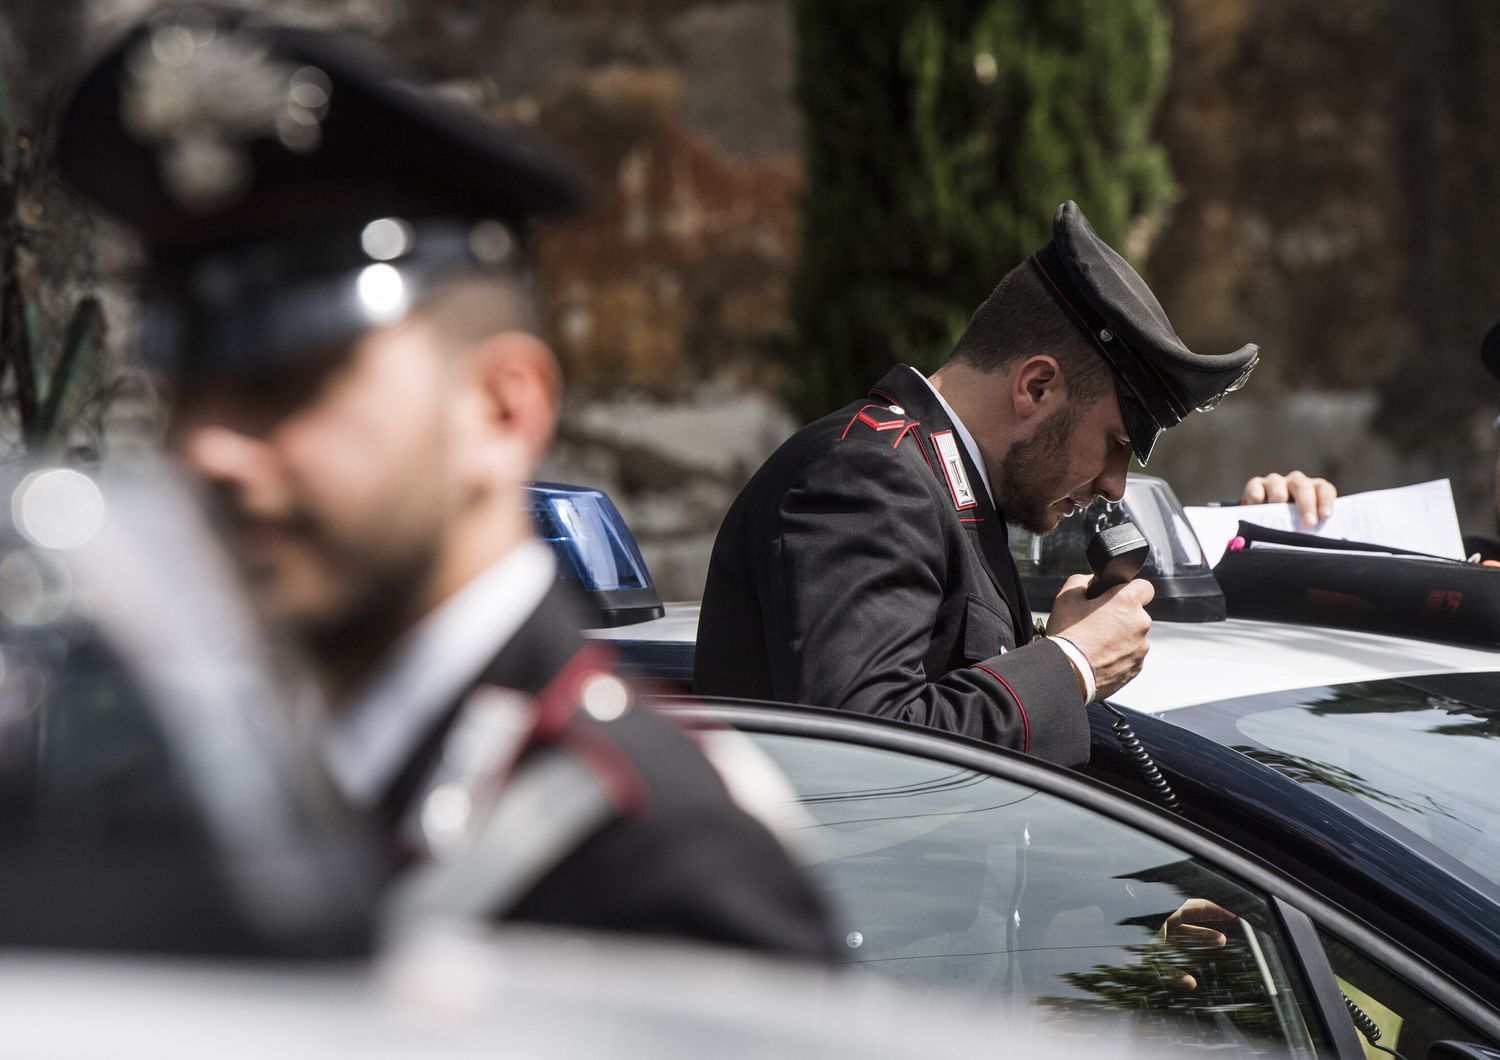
(1403, 1017)
(1412, 757)
(969, 885)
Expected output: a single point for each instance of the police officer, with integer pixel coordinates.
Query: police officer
(336, 287)
(866, 565)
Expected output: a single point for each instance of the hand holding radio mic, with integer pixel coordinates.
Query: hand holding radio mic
(1116, 555)
(1105, 616)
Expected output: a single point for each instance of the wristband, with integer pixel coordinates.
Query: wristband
(1081, 666)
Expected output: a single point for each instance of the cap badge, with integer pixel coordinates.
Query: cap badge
(199, 94)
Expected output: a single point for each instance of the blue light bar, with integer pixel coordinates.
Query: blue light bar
(595, 551)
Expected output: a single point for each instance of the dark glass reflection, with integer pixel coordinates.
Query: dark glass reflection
(974, 886)
(1408, 1020)
(1414, 756)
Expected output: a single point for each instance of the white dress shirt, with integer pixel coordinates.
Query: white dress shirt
(430, 666)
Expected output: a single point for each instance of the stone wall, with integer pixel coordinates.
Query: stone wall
(1335, 162)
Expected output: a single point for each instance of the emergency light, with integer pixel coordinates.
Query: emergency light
(595, 552)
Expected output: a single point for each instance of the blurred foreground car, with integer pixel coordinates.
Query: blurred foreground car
(517, 994)
(1332, 787)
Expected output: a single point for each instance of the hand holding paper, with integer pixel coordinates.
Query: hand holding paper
(1312, 497)
(1418, 518)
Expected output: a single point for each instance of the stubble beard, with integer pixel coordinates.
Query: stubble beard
(1031, 471)
(388, 596)
(348, 590)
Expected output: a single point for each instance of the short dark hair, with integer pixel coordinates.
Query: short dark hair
(470, 306)
(1020, 319)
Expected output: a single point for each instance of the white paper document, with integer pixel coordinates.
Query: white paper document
(1418, 518)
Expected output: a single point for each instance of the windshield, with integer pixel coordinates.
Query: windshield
(1415, 757)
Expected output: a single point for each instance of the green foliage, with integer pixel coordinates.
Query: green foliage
(941, 135)
(40, 374)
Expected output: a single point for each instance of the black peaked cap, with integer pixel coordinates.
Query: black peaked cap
(1159, 380)
(250, 158)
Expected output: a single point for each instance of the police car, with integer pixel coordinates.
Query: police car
(1328, 787)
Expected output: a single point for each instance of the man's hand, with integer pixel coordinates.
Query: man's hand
(1110, 629)
(1313, 497)
(1184, 930)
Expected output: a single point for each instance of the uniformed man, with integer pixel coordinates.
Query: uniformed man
(336, 287)
(866, 564)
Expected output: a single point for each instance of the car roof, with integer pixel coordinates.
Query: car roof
(1201, 662)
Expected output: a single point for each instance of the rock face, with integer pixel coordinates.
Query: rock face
(1337, 166)
(680, 266)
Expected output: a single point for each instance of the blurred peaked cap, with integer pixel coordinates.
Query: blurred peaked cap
(1489, 350)
(1159, 380)
(252, 160)
(202, 126)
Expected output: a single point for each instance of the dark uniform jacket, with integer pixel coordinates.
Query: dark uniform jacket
(856, 570)
(674, 856)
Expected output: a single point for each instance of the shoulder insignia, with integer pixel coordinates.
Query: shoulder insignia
(878, 418)
(953, 469)
(869, 415)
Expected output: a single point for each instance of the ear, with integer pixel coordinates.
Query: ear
(512, 389)
(1037, 387)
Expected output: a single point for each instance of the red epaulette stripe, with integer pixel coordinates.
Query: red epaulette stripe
(558, 707)
(971, 519)
(870, 421)
(923, 450)
(611, 767)
(559, 700)
(911, 429)
(1025, 722)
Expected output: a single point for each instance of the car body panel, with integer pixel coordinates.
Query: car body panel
(1266, 828)
(1237, 657)
(1192, 663)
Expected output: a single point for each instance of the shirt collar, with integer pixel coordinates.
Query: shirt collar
(424, 674)
(964, 436)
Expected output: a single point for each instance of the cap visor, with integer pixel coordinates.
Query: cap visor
(1139, 424)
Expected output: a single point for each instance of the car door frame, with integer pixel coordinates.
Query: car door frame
(1301, 911)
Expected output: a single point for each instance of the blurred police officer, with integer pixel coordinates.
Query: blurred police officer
(336, 285)
(867, 566)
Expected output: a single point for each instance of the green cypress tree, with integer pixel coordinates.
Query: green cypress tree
(941, 135)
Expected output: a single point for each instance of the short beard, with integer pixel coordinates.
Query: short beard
(1032, 467)
(348, 641)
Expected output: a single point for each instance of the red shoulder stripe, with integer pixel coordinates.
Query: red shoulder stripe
(921, 449)
(863, 416)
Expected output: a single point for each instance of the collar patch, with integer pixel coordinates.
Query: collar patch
(953, 469)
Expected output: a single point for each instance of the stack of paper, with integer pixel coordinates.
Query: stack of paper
(1418, 518)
